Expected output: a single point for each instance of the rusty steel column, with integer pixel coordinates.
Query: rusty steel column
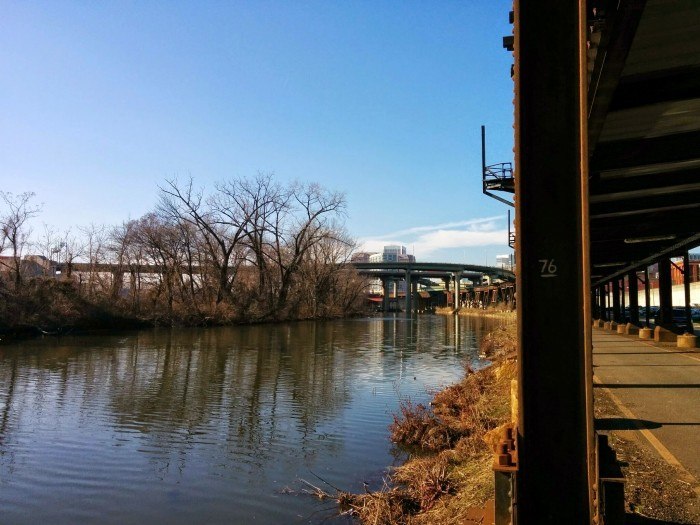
(603, 302)
(616, 300)
(686, 289)
(665, 294)
(556, 469)
(633, 297)
(647, 296)
(595, 307)
(623, 316)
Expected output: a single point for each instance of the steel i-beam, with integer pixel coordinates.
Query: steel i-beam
(554, 483)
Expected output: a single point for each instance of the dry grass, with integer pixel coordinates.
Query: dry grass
(453, 471)
(499, 343)
(418, 428)
(387, 506)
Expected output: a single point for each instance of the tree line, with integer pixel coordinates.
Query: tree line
(248, 249)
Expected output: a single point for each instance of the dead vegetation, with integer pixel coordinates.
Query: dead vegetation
(450, 469)
(499, 343)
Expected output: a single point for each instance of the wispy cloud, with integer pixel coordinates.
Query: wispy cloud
(447, 225)
(426, 240)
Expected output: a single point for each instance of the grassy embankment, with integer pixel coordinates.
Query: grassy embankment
(450, 468)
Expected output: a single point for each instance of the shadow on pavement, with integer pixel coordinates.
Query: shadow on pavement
(624, 423)
(636, 519)
(646, 385)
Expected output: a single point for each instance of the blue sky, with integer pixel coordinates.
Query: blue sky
(383, 100)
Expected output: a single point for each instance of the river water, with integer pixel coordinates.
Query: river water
(213, 425)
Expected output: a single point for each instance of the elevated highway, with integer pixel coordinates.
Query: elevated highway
(438, 269)
(411, 272)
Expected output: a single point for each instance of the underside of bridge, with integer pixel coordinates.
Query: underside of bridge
(607, 183)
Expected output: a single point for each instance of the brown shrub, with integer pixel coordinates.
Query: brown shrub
(417, 427)
(389, 506)
(500, 342)
(426, 479)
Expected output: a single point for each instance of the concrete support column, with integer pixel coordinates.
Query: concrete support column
(616, 301)
(414, 296)
(409, 288)
(385, 290)
(458, 291)
(446, 281)
(633, 297)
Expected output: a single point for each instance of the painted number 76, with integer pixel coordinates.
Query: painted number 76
(549, 269)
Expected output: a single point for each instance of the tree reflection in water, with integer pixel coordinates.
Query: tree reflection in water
(174, 424)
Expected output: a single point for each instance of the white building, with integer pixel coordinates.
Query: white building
(392, 253)
(505, 261)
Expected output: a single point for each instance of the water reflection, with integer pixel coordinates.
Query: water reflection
(171, 426)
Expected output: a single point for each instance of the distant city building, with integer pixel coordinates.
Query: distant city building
(392, 253)
(505, 261)
(360, 257)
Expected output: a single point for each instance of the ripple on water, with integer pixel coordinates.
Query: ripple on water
(209, 426)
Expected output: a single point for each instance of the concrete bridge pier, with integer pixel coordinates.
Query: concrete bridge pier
(386, 282)
(409, 289)
(457, 291)
(414, 295)
(448, 287)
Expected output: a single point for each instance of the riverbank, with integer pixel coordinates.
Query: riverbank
(47, 307)
(489, 313)
(449, 471)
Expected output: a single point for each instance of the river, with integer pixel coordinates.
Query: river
(214, 425)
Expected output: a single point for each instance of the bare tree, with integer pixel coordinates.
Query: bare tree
(125, 256)
(260, 203)
(60, 249)
(162, 244)
(47, 244)
(310, 221)
(93, 251)
(221, 230)
(16, 230)
(71, 248)
(324, 275)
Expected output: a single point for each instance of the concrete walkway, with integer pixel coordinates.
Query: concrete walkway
(657, 388)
